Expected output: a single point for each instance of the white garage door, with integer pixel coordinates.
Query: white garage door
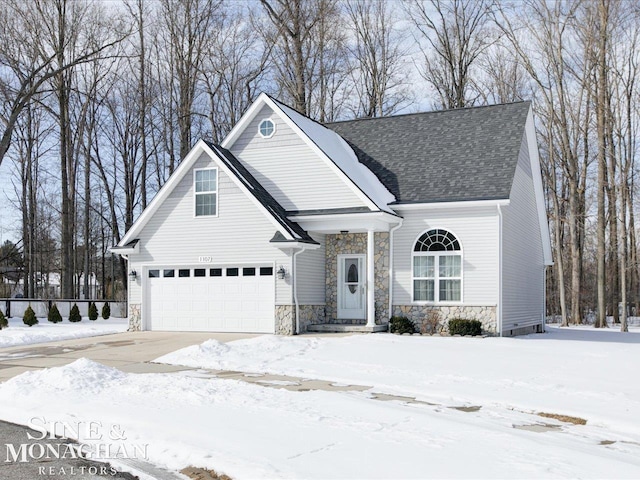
(211, 299)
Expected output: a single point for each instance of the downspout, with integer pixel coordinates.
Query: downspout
(544, 298)
(126, 257)
(499, 307)
(295, 287)
(391, 267)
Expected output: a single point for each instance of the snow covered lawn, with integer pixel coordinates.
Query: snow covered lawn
(19, 334)
(253, 431)
(584, 372)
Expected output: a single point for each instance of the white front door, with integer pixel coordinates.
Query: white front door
(351, 287)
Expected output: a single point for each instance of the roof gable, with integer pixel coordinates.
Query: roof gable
(264, 197)
(243, 179)
(327, 145)
(453, 155)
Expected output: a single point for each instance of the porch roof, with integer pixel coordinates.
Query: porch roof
(353, 222)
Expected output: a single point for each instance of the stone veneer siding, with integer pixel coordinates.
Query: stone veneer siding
(417, 313)
(135, 319)
(311, 315)
(286, 318)
(350, 244)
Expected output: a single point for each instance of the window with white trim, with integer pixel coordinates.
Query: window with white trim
(437, 268)
(267, 128)
(206, 192)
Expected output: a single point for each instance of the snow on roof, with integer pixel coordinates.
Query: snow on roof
(339, 151)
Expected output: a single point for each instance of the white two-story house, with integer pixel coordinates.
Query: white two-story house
(290, 225)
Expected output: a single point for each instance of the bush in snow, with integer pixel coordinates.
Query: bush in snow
(54, 314)
(401, 325)
(29, 317)
(462, 326)
(74, 314)
(93, 311)
(4, 323)
(106, 310)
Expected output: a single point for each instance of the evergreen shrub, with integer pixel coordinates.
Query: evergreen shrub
(74, 314)
(54, 314)
(401, 325)
(463, 326)
(29, 317)
(93, 311)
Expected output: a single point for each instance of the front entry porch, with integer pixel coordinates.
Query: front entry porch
(346, 328)
(357, 283)
(356, 270)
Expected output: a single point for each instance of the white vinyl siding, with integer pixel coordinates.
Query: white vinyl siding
(522, 256)
(477, 231)
(311, 274)
(239, 234)
(289, 169)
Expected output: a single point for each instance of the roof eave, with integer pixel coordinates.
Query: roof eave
(133, 247)
(473, 203)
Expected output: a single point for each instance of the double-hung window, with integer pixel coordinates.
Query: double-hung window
(206, 192)
(437, 268)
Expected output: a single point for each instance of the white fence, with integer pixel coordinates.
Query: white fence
(15, 307)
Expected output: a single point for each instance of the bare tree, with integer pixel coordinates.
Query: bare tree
(562, 88)
(189, 28)
(307, 48)
(234, 73)
(452, 34)
(505, 79)
(31, 134)
(138, 10)
(33, 67)
(379, 75)
(600, 98)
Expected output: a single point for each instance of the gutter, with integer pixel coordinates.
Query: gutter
(544, 298)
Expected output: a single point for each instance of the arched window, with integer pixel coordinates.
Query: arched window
(437, 267)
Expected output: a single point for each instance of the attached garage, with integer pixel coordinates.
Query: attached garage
(231, 298)
(203, 255)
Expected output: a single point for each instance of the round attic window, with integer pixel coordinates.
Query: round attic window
(267, 128)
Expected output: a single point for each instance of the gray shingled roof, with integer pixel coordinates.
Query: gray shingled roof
(264, 197)
(452, 155)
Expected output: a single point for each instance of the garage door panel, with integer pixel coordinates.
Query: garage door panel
(211, 299)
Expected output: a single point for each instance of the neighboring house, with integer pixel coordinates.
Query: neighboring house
(290, 224)
(48, 286)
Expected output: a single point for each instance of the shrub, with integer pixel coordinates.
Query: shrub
(29, 317)
(401, 325)
(74, 314)
(93, 311)
(430, 323)
(462, 326)
(106, 310)
(54, 314)
(4, 323)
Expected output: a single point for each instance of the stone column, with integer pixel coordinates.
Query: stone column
(371, 281)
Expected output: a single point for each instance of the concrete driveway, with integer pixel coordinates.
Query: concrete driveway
(129, 351)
